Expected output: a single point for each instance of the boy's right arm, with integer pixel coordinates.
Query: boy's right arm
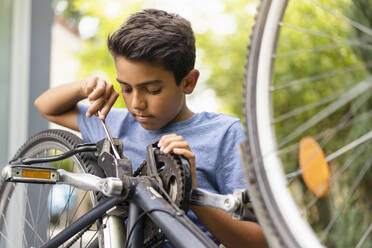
(59, 105)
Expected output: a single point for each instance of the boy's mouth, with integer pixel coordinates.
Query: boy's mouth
(142, 118)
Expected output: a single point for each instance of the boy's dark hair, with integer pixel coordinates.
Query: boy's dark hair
(158, 37)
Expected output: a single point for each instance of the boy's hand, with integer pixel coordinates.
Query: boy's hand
(101, 95)
(176, 144)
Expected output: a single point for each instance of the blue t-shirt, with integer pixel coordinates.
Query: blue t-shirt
(213, 138)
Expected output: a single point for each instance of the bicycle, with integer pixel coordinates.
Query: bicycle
(308, 74)
(160, 188)
(274, 133)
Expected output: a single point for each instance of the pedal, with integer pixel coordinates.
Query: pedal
(30, 174)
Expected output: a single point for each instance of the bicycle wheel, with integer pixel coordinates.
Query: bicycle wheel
(30, 214)
(308, 74)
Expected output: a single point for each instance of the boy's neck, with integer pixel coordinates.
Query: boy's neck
(184, 115)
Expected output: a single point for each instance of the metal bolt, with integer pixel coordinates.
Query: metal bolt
(227, 202)
(105, 186)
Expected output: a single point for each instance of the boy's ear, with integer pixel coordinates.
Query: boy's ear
(189, 81)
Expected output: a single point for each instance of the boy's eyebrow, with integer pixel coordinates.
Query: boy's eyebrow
(141, 84)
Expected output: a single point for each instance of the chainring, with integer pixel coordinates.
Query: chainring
(176, 177)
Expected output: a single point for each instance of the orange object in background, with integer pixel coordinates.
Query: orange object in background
(315, 169)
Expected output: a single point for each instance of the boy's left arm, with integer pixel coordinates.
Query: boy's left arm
(231, 233)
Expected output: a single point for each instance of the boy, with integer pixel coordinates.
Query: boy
(154, 55)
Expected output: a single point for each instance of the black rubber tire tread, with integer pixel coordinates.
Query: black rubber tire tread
(87, 160)
(252, 165)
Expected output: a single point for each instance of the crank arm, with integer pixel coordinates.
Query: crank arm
(227, 203)
(109, 186)
(237, 203)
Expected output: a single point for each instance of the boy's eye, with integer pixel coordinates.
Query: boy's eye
(154, 91)
(126, 90)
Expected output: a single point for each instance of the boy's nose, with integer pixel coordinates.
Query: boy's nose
(138, 102)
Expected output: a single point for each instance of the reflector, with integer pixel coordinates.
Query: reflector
(315, 169)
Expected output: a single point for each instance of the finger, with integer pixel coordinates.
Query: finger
(175, 144)
(106, 108)
(109, 89)
(96, 105)
(190, 156)
(166, 139)
(99, 90)
(90, 85)
(185, 152)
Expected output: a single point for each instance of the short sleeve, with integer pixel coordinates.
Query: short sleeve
(230, 173)
(90, 128)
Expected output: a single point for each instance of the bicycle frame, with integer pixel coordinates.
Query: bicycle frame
(141, 193)
(144, 195)
(149, 201)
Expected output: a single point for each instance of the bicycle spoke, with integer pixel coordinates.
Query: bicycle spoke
(328, 47)
(92, 238)
(328, 134)
(63, 210)
(305, 108)
(18, 204)
(68, 207)
(364, 237)
(355, 24)
(38, 208)
(293, 174)
(343, 100)
(356, 42)
(318, 77)
(43, 210)
(33, 230)
(356, 183)
(344, 122)
(288, 149)
(5, 224)
(7, 240)
(50, 210)
(336, 176)
(77, 208)
(25, 239)
(347, 164)
(346, 119)
(28, 205)
(295, 146)
(59, 162)
(366, 137)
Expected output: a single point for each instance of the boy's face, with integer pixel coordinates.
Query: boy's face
(150, 93)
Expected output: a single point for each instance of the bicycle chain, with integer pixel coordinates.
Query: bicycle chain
(176, 182)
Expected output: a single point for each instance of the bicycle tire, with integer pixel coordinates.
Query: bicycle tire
(40, 209)
(266, 170)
